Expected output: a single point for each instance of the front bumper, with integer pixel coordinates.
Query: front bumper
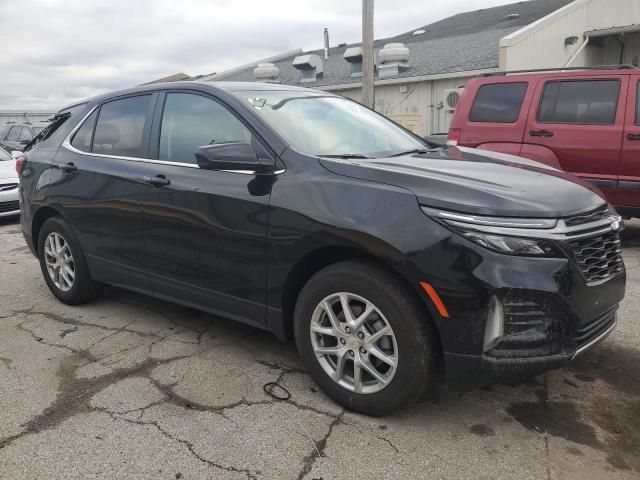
(9, 204)
(465, 372)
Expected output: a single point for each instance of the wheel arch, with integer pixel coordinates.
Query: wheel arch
(322, 257)
(42, 215)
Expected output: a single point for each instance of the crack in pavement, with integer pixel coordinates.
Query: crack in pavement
(251, 475)
(75, 394)
(310, 459)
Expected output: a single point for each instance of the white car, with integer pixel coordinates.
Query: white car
(9, 205)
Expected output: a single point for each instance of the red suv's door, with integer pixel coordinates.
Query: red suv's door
(580, 121)
(629, 186)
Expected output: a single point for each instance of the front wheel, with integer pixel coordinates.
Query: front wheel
(364, 338)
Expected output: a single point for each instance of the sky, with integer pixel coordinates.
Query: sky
(56, 52)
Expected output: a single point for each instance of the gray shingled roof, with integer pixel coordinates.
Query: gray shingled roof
(464, 42)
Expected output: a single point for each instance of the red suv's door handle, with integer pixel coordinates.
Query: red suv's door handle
(541, 133)
(633, 136)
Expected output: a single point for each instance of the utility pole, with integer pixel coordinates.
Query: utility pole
(367, 53)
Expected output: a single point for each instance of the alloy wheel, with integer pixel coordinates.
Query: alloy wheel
(354, 343)
(59, 261)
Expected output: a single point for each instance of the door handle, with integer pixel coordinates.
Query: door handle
(633, 137)
(157, 181)
(541, 133)
(68, 167)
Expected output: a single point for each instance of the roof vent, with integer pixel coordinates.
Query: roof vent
(419, 32)
(266, 72)
(511, 16)
(353, 55)
(394, 59)
(310, 67)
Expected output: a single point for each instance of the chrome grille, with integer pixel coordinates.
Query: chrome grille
(593, 216)
(598, 256)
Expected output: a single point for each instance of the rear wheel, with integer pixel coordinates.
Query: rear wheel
(364, 338)
(63, 264)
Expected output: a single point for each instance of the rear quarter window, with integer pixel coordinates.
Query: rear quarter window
(498, 103)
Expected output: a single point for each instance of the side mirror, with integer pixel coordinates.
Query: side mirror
(230, 156)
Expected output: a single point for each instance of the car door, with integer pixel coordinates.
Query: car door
(629, 183)
(581, 121)
(205, 231)
(96, 183)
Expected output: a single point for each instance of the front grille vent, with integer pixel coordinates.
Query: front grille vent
(9, 206)
(599, 256)
(5, 187)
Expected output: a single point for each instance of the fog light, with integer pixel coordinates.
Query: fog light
(494, 329)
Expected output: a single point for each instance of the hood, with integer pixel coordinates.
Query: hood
(8, 170)
(479, 182)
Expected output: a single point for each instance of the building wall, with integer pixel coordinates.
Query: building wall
(609, 52)
(419, 106)
(542, 44)
(35, 118)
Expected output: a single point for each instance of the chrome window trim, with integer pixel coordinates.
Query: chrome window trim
(68, 146)
(506, 226)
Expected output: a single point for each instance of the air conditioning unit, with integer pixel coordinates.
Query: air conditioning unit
(451, 97)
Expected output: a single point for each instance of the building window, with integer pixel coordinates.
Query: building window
(498, 103)
(585, 102)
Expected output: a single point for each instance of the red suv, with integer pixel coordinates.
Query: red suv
(585, 121)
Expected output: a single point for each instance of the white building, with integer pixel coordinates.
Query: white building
(37, 118)
(418, 73)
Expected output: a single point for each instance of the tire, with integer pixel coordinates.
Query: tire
(413, 339)
(82, 289)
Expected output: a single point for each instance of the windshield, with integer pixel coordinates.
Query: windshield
(330, 126)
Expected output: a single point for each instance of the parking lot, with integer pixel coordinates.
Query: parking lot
(131, 387)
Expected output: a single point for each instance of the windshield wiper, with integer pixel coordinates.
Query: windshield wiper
(413, 151)
(345, 155)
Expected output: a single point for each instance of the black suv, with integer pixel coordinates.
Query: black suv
(387, 258)
(16, 136)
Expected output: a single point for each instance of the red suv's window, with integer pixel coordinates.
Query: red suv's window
(498, 103)
(591, 102)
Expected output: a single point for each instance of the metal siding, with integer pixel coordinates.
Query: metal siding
(544, 45)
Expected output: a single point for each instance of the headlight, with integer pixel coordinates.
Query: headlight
(511, 236)
(511, 245)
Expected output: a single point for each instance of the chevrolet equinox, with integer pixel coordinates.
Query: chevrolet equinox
(390, 260)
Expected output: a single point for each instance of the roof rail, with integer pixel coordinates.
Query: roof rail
(563, 69)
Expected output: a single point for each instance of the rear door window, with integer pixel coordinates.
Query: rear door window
(585, 102)
(120, 127)
(14, 134)
(498, 103)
